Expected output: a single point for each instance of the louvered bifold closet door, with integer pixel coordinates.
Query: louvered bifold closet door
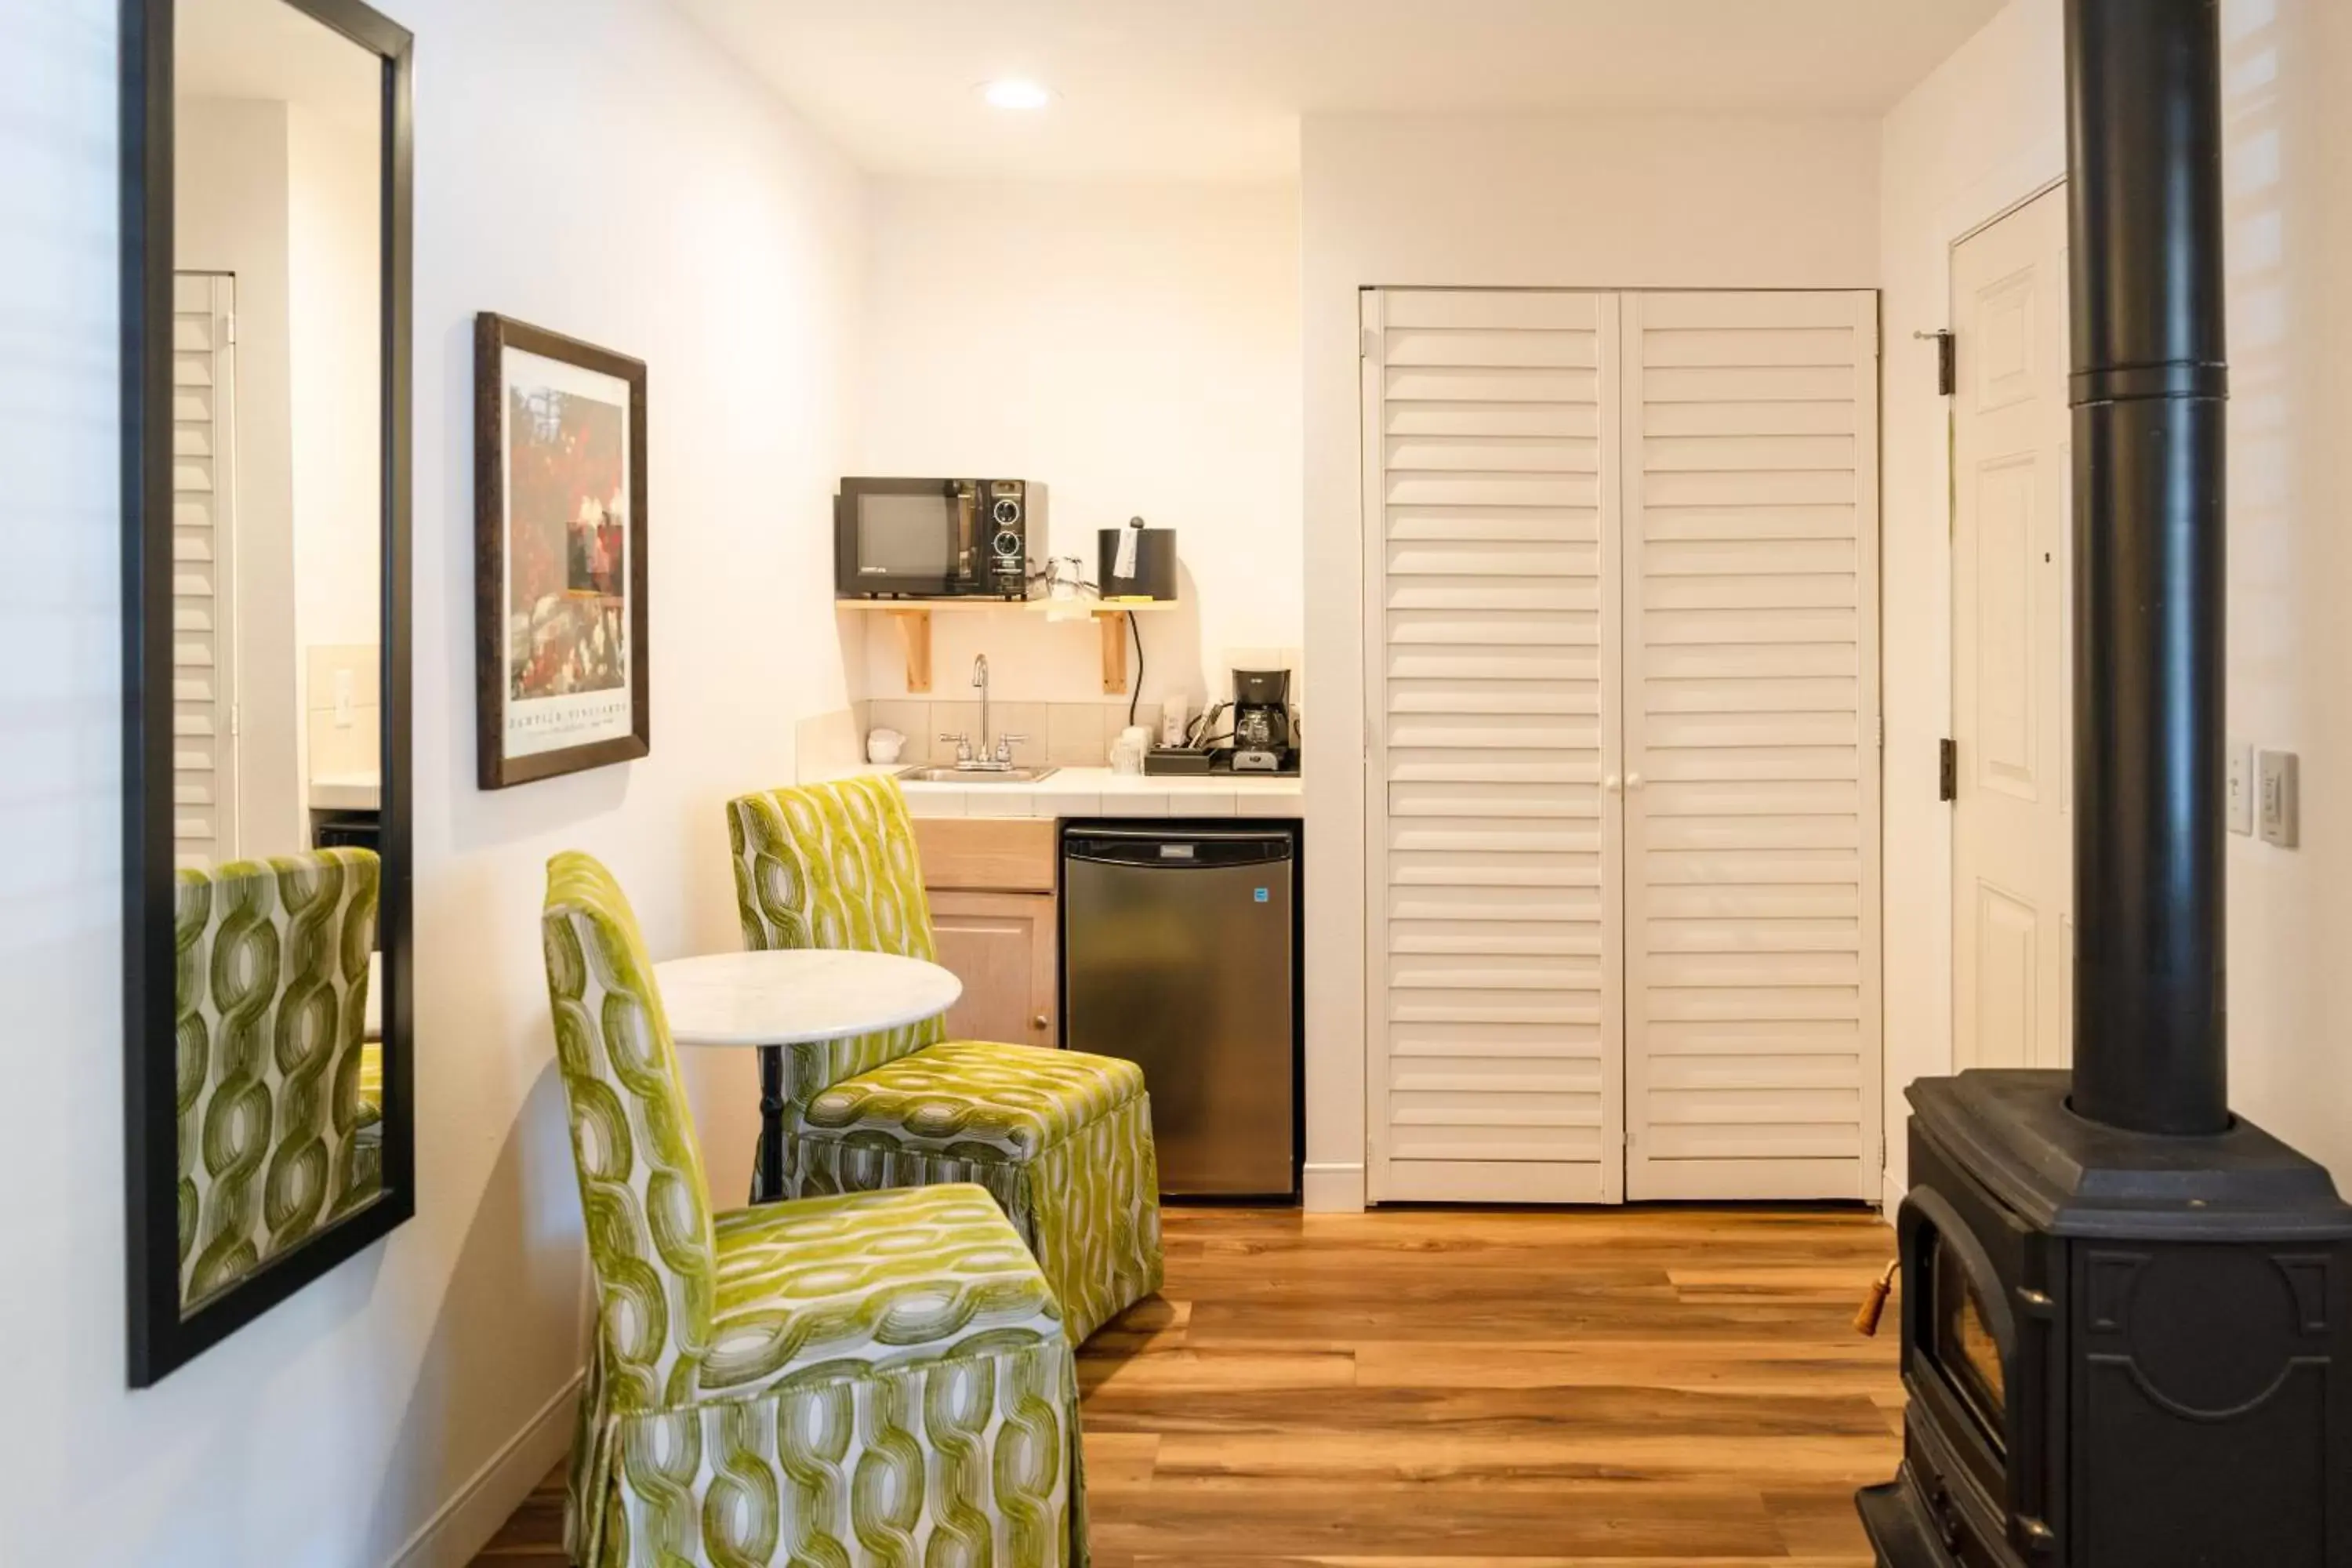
(1751, 784)
(203, 688)
(1490, 446)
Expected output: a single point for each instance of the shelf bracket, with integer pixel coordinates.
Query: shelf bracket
(1114, 650)
(915, 634)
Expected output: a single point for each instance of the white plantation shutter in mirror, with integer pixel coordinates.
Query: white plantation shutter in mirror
(1492, 919)
(203, 752)
(1751, 688)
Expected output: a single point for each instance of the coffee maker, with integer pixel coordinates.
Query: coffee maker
(1263, 738)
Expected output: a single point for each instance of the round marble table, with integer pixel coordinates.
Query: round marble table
(769, 1000)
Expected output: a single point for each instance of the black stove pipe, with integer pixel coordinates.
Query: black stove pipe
(2144, 137)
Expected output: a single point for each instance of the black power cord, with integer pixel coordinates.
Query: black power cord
(1134, 692)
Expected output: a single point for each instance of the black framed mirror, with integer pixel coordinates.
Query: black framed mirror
(267, 980)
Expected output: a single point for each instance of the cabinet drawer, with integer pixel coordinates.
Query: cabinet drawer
(999, 855)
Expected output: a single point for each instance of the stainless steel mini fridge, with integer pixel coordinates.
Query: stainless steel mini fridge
(1179, 952)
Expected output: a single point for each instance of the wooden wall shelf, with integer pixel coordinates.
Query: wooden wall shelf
(1091, 606)
(913, 619)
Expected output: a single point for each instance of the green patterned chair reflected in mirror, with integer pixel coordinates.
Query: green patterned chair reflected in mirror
(870, 1378)
(271, 984)
(1062, 1139)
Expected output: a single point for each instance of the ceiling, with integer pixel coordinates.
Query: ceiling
(268, 50)
(1215, 89)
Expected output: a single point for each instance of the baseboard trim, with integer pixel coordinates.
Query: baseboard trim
(1332, 1189)
(464, 1525)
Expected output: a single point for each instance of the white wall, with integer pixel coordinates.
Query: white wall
(334, 310)
(2286, 66)
(595, 166)
(1986, 131)
(334, 316)
(1136, 347)
(1621, 201)
(231, 216)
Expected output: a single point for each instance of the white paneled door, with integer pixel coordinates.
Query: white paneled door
(203, 685)
(1751, 746)
(1622, 790)
(1491, 513)
(2012, 837)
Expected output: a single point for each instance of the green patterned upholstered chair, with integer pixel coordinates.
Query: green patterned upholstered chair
(371, 1090)
(270, 985)
(876, 1378)
(1062, 1138)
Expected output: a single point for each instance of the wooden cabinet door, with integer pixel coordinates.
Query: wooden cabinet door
(1002, 946)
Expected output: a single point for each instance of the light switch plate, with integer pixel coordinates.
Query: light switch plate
(2238, 796)
(2276, 789)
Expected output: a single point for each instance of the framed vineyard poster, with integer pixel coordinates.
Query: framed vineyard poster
(560, 666)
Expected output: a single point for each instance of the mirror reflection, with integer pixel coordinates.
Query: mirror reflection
(277, 577)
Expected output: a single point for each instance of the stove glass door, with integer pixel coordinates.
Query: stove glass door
(1965, 1347)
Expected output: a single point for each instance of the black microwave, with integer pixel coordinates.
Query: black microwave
(927, 539)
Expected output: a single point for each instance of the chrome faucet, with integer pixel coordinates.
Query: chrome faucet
(980, 678)
(998, 759)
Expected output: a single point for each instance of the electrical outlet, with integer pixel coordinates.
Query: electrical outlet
(2277, 789)
(2238, 797)
(343, 698)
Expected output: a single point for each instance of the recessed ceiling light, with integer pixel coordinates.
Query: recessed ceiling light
(1015, 93)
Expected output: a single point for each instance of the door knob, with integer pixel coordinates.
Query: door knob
(1633, 781)
(1609, 784)
(1038, 1022)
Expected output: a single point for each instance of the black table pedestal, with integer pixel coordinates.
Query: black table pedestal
(767, 1171)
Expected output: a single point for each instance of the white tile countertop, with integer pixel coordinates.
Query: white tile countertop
(346, 792)
(1098, 791)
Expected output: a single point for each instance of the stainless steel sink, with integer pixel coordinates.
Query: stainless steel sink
(975, 775)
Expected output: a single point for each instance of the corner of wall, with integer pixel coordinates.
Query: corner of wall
(476, 1512)
(1332, 1188)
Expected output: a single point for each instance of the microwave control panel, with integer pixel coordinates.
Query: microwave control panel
(1010, 516)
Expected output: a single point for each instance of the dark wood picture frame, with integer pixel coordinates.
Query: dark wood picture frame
(493, 335)
(161, 1336)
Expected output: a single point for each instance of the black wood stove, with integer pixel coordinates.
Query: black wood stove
(2127, 1316)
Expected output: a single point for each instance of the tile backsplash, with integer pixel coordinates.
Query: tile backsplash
(1066, 734)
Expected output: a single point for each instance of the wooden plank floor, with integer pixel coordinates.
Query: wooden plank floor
(1441, 1389)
